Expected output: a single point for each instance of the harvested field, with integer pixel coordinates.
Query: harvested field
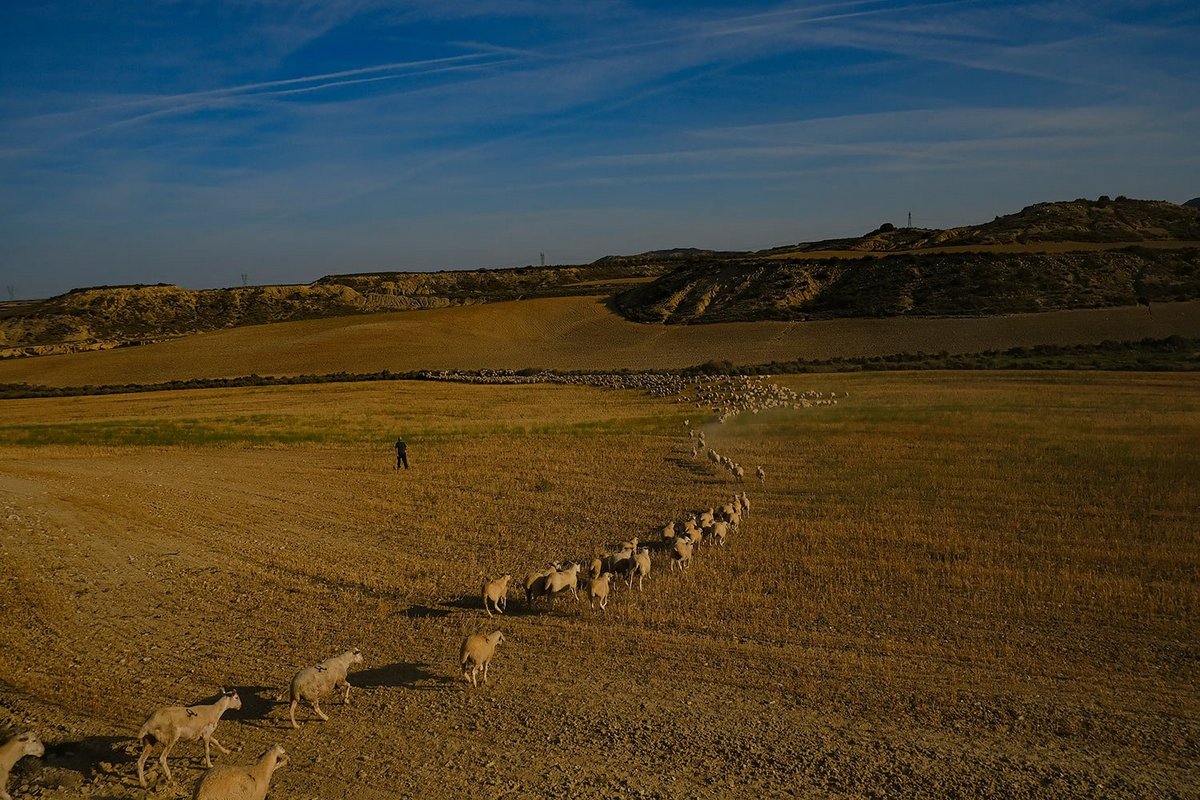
(571, 333)
(953, 585)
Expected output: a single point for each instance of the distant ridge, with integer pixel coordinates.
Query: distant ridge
(1193, 203)
(1028, 261)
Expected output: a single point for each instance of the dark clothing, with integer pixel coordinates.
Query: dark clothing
(401, 454)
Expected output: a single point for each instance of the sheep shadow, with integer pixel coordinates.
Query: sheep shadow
(417, 611)
(85, 755)
(516, 607)
(257, 701)
(696, 468)
(402, 674)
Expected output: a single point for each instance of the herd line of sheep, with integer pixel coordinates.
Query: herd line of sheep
(631, 560)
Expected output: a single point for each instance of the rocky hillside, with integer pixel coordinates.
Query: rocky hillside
(118, 316)
(932, 284)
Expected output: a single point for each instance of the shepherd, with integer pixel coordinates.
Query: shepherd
(401, 453)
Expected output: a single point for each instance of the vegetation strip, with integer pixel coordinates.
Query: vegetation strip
(1172, 354)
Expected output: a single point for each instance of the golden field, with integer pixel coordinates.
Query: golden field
(571, 333)
(951, 584)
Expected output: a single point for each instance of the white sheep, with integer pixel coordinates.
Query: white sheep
(562, 580)
(596, 568)
(495, 593)
(761, 474)
(641, 567)
(535, 583)
(477, 651)
(12, 751)
(668, 531)
(599, 591)
(681, 554)
(720, 532)
(173, 724)
(241, 783)
(313, 683)
(745, 504)
(631, 545)
(707, 517)
(739, 473)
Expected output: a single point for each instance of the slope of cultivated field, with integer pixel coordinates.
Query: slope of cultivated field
(951, 585)
(571, 333)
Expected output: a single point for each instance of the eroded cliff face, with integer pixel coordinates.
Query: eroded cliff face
(928, 284)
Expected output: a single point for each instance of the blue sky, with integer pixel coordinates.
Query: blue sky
(190, 142)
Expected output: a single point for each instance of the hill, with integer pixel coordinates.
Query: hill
(932, 284)
(1045, 246)
(106, 317)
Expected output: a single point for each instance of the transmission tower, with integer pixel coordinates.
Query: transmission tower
(543, 255)
(12, 292)
(910, 219)
(245, 278)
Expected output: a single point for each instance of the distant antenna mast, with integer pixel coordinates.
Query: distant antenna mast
(12, 292)
(245, 278)
(910, 219)
(543, 255)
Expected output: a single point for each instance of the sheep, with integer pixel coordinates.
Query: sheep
(738, 473)
(12, 751)
(641, 567)
(496, 593)
(596, 569)
(599, 591)
(713, 457)
(745, 504)
(761, 474)
(668, 532)
(706, 518)
(691, 530)
(535, 583)
(563, 579)
(720, 531)
(631, 545)
(477, 650)
(726, 511)
(241, 783)
(313, 683)
(173, 724)
(681, 555)
(734, 520)
(619, 561)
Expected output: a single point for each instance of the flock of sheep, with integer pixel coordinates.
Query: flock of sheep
(168, 726)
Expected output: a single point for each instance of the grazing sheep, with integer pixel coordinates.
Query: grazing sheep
(563, 579)
(241, 783)
(477, 651)
(745, 504)
(173, 724)
(12, 751)
(641, 567)
(496, 593)
(599, 591)
(668, 532)
(681, 554)
(761, 474)
(535, 583)
(739, 473)
(313, 683)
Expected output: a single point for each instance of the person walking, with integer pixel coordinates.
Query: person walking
(401, 453)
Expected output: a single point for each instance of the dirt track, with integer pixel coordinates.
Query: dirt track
(140, 577)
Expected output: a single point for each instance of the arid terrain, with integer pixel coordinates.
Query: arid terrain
(572, 333)
(950, 584)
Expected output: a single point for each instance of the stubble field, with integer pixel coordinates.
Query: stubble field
(950, 585)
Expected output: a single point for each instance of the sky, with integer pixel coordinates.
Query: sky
(194, 142)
